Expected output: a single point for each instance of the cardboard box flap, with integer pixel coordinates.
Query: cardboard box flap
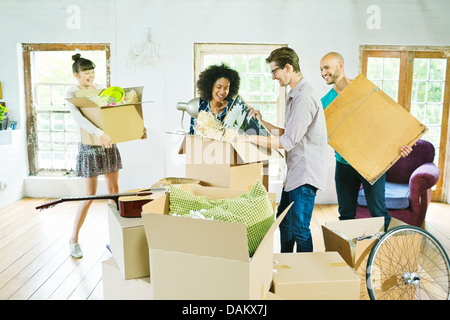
(333, 242)
(197, 236)
(368, 128)
(82, 100)
(357, 227)
(248, 152)
(270, 232)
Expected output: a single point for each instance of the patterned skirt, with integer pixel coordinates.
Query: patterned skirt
(95, 160)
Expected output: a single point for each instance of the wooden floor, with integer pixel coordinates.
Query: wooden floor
(34, 254)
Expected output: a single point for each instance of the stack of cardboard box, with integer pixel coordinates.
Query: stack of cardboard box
(160, 256)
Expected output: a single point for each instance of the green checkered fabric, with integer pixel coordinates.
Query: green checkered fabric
(253, 208)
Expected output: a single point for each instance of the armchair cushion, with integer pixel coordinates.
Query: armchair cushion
(397, 196)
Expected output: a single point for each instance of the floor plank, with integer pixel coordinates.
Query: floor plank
(35, 263)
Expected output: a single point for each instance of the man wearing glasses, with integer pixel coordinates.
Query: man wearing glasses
(304, 139)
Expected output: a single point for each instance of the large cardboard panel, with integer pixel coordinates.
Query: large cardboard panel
(314, 276)
(368, 128)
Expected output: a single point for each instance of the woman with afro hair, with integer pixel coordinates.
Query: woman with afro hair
(217, 86)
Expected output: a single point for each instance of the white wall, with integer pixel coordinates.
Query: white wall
(312, 28)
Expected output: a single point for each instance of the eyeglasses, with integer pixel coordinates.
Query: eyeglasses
(275, 70)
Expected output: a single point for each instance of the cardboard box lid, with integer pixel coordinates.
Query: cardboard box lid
(368, 128)
(248, 152)
(82, 101)
(214, 238)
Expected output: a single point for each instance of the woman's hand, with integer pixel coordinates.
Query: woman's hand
(105, 141)
(144, 136)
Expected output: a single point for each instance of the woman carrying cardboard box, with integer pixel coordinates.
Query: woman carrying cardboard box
(92, 161)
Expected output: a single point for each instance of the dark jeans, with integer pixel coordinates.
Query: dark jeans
(348, 182)
(295, 226)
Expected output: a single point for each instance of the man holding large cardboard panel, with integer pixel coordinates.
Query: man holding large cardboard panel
(367, 128)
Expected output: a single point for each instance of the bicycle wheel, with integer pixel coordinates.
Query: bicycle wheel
(408, 263)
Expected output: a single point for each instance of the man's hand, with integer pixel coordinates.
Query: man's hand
(255, 113)
(405, 151)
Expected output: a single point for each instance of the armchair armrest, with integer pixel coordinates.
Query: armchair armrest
(420, 184)
(424, 177)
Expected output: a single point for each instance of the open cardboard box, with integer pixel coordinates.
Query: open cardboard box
(338, 236)
(123, 122)
(205, 259)
(368, 128)
(228, 165)
(314, 276)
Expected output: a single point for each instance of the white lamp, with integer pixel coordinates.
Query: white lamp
(190, 107)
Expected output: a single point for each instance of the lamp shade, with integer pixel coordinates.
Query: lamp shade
(190, 107)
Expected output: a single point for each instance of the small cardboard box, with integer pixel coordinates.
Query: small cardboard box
(227, 165)
(205, 259)
(368, 128)
(338, 236)
(128, 244)
(115, 287)
(314, 276)
(121, 122)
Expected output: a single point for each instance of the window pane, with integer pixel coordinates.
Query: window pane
(390, 88)
(43, 121)
(384, 72)
(419, 90)
(254, 64)
(240, 63)
(420, 69)
(374, 68)
(437, 69)
(255, 84)
(418, 111)
(435, 92)
(434, 114)
(43, 95)
(391, 68)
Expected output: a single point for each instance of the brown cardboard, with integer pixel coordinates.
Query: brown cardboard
(128, 244)
(228, 165)
(338, 234)
(368, 128)
(205, 259)
(115, 287)
(122, 122)
(314, 276)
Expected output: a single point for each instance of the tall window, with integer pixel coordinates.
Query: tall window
(257, 87)
(53, 136)
(418, 79)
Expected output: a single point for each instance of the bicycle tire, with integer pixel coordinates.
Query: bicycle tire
(398, 281)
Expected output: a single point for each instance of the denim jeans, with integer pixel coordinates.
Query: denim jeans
(295, 226)
(348, 182)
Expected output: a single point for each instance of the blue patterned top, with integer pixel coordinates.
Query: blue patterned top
(204, 106)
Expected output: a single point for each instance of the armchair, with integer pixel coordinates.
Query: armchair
(408, 186)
